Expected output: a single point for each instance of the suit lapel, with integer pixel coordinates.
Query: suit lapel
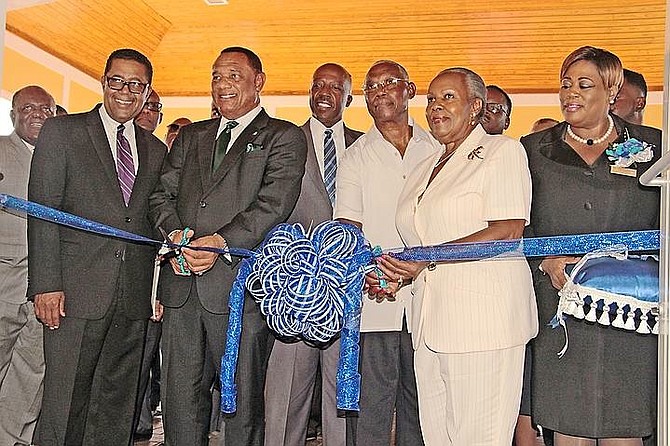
(350, 136)
(96, 131)
(20, 151)
(239, 147)
(312, 169)
(205, 144)
(143, 162)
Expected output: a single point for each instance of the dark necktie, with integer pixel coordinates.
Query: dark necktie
(125, 168)
(222, 144)
(329, 164)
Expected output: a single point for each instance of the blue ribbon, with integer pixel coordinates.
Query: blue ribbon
(323, 249)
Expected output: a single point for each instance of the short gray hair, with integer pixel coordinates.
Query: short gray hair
(474, 82)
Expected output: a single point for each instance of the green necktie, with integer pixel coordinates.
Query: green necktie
(222, 144)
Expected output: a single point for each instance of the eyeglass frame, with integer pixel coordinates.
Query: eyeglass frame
(378, 86)
(125, 83)
(158, 106)
(497, 107)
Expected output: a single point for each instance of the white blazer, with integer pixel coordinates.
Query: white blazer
(477, 305)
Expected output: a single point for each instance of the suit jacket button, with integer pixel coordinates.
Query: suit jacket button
(128, 219)
(203, 204)
(588, 206)
(117, 254)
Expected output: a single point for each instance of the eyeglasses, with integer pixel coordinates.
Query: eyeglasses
(135, 87)
(390, 82)
(175, 127)
(153, 106)
(495, 108)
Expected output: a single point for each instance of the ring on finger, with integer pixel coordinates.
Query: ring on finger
(401, 282)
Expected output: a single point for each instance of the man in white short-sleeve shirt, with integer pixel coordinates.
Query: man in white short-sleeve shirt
(370, 178)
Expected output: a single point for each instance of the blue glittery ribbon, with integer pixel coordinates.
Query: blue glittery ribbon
(347, 377)
(559, 245)
(9, 202)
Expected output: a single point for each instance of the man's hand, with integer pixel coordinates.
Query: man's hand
(176, 238)
(555, 268)
(374, 289)
(202, 261)
(50, 307)
(158, 314)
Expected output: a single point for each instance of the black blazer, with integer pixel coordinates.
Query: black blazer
(73, 170)
(254, 189)
(590, 197)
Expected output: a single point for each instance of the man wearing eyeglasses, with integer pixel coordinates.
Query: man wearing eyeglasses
(498, 109)
(370, 178)
(173, 130)
(151, 115)
(93, 292)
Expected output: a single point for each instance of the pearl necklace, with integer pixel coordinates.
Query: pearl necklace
(590, 141)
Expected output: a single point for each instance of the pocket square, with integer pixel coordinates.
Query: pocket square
(251, 147)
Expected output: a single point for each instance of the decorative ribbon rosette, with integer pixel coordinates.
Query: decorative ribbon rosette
(309, 287)
(630, 151)
(612, 289)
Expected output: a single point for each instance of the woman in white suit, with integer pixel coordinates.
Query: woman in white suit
(472, 319)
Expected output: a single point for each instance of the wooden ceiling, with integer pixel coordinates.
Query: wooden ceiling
(517, 44)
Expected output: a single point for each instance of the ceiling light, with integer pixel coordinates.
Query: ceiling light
(216, 2)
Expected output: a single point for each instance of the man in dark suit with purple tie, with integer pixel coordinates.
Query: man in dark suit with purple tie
(93, 292)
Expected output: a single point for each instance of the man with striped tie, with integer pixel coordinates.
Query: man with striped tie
(292, 370)
(93, 292)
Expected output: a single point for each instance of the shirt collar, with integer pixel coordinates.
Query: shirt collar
(317, 126)
(242, 122)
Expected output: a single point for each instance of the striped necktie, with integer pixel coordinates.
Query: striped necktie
(125, 168)
(329, 164)
(222, 144)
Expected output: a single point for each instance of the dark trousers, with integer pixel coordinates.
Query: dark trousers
(143, 418)
(192, 346)
(90, 385)
(387, 384)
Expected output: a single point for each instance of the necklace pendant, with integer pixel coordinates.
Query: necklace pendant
(589, 142)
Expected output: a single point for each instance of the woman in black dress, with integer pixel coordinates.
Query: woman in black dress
(603, 390)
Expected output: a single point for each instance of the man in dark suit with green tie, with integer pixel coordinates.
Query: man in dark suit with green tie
(230, 180)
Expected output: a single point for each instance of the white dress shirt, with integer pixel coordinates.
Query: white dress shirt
(318, 134)
(370, 177)
(242, 123)
(111, 129)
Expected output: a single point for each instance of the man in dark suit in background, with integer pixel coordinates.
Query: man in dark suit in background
(149, 118)
(93, 292)
(229, 180)
(293, 367)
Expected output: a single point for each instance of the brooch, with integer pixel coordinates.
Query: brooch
(630, 151)
(477, 153)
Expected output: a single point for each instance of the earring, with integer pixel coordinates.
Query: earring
(472, 119)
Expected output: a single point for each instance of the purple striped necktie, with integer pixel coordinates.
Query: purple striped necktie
(125, 168)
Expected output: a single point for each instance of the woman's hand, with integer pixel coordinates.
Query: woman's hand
(396, 269)
(555, 268)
